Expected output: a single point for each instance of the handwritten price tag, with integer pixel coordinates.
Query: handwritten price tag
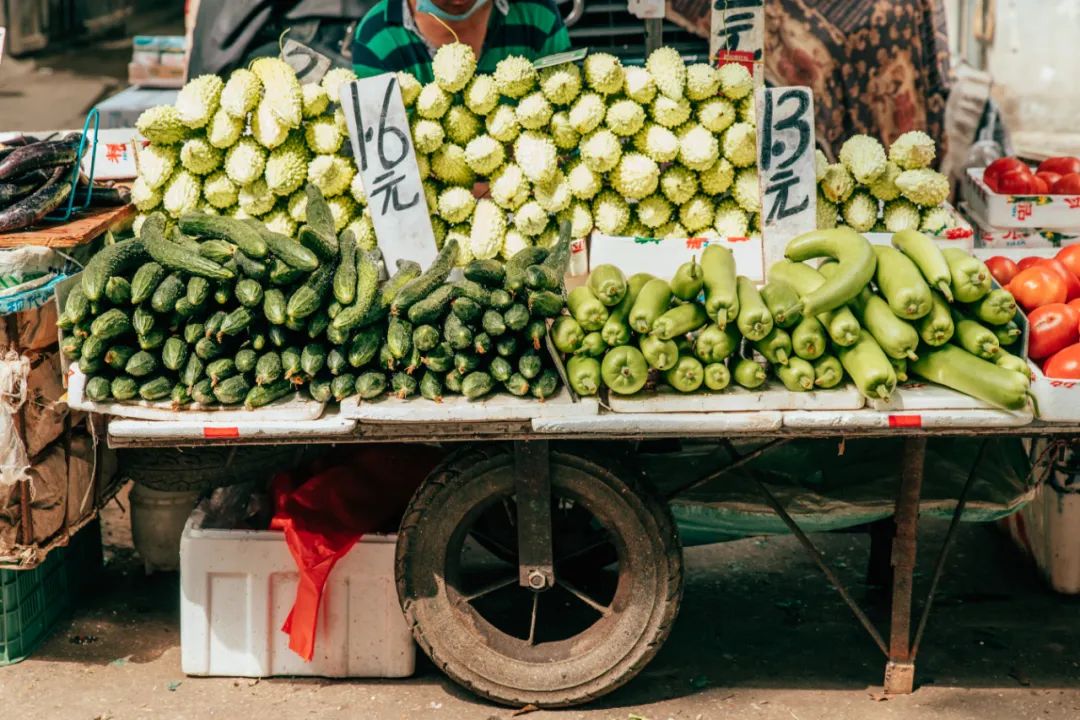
(310, 65)
(738, 32)
(786, 167)
(382, 147)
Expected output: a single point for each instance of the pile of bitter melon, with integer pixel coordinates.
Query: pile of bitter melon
(216, 310)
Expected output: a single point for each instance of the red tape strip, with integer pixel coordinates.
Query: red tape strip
(905, 421)
(221, 432)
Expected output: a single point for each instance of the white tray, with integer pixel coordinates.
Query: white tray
(646, 424)
(774, 396)
(290, 408)
(926, 396)
(184, 429)
(872, 419)
(455, 408)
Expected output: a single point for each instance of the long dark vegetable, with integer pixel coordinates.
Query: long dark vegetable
(40, 155)
(20, 187)
(32, 209)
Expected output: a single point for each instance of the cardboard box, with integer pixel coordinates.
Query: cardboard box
(124, 108)
(987, 236)
(1047, 212)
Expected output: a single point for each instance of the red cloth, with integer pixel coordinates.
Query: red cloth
(363, 490)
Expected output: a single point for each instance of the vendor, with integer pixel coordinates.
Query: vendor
(403, 35)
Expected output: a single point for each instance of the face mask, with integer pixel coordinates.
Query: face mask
(430, 8)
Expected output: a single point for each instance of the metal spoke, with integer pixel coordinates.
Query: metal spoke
(604, 610)
(581, 551)
(532, 622)
(488, 589)
(510, 552)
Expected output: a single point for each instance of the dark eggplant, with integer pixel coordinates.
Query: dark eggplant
(32, 209)
(20, 187)
(106, 194)
(39, 155)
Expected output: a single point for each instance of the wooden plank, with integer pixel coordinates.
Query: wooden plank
(86, 227)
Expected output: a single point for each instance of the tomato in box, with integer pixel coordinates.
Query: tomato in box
(1072, 283)
(1060, 165)
(1053, 327)
(1048, 177)
(1040, 186)
(1002, 268)
(1070, 258)
(999, 167)
(1037, 286)
(1027, 262)
(1017, 182)
(1067, 185)
(1064, 364)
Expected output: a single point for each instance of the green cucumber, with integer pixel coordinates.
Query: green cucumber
(544, 386)
(320, 391)
(319, 323)
(124, 388)
(219, 251)
(308, 298)
(274, 304)
(516, 317)
(432, 308)
(235, 322)
(285, 249)
(651, 303)
(141, 364)
(475, 385)
(118, 291)
(548, 304)
(587, 309)
(232, 391)
(679, 321)
(371, 385)
(220, 227)
(111, 324)
(193, 370)
(530, 364)
(467, 309)
(220, 369)
(171, 289)
(336, 361)
(364, 347)
(345, 275)
(179, 258)
(517, 385)
(422, 286)
(174, 353)
(198, 290)
(431, 386)
(501, 369)
(399, 337)
(312, 359)
(158, 388)
(490, 273)
(268, 369)
(202, 392)
(109, 262)
(117, 356)
(262, 395)
(403, 385)
(248, 292)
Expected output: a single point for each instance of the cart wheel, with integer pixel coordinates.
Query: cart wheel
(596, 629)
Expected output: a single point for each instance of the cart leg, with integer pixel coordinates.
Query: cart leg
(900, 670)
(532, 480)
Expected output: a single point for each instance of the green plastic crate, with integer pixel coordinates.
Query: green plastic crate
(33, 601)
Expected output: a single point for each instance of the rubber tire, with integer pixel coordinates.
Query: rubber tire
(436, 510)
(202, 468)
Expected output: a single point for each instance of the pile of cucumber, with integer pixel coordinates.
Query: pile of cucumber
(216, 310)
(871, 314)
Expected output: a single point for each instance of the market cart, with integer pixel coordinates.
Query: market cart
(558, 497)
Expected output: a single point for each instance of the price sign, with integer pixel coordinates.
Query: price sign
(383, 150)
(786, 167)
(310, 66)
(647, 9)
(738, 32)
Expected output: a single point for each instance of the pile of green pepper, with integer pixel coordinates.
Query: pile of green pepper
(871, 314)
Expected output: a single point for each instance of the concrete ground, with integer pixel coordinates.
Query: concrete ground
(761, 635)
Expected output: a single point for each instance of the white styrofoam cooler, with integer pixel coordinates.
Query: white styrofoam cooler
(1048, 530)
(1049, 212)
(238, 586)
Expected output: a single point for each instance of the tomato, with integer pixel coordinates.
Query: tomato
(1075, 305)
(999, 167)
(1065, 364)
(1048, 177)
(1017, 182)
(1002, 268)
(1037, 286)
(1040, 186)
(1029, 262)
(1067, 185)
(1072, 283)
(1060, 165)
(1070, 258)
(1053, 328)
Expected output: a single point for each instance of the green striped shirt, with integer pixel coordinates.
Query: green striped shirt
(386, 39)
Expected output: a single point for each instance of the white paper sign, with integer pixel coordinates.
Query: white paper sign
(310, 66)
(786, 167)
(663, 257)
(738, 32)
(383, 150)
(647, 9)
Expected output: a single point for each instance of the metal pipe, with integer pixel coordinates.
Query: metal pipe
(819, 560)
(739, 461)
(576, 12)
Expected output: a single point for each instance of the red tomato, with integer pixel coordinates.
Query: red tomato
(999, 167)
(1029, 262)
(1003, 269)
(1017, 182)
(1040, 186)
(1037, 286)
(1048, 177)
(1065, 363)
(1072, 283)
(1070, 258)
(1075, 305)
(1060, 165)
(1067, 185)
(1053, 328)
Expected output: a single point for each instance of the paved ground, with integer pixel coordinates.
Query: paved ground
(760, 636)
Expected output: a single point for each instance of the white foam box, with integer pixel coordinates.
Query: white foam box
(1057, 400)
(661, 424)
(1048, 530)
(771, 396)
(330, 425)
(961, 236)
(987, 236)
(455, 408)
(238, 586)
(1048, 212)
(663, 257)
(870, 419)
